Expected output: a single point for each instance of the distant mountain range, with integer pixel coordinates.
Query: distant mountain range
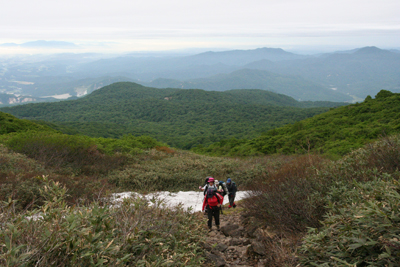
(42, 44)
(340, 76)
(360, 72)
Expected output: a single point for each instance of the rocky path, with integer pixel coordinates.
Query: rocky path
(237, 244)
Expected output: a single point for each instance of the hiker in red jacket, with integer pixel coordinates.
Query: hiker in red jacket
(212, 202)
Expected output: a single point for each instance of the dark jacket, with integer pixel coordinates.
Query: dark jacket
(231, 188)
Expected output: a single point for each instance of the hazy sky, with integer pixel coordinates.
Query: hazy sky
(176, 24)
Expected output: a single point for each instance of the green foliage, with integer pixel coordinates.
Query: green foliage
(351, 204)
(10, 124)
(365, 231)
(75, 151)
(180, 118)
(384, 94)
(336, 132)
(132, 233)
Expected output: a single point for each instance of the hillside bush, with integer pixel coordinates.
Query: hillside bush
(286, 200)
(296, 196)
(78, 154)
(18, 182)
(133, 233)
(364, 231)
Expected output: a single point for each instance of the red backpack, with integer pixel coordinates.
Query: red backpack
(212, 199)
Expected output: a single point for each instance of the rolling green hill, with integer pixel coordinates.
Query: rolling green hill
(337, 131)
(182, 118)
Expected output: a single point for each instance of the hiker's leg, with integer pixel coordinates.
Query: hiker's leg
(210, 215)
(216, 216)
(233, 201)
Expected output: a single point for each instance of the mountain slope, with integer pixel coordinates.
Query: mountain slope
(293, 86)
(336, 131)
(180, 117)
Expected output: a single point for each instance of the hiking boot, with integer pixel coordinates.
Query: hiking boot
(209, 229)
(234, 205)
(229, 207)
(218, 228)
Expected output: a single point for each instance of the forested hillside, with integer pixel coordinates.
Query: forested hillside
(335, 132)
(181, 118)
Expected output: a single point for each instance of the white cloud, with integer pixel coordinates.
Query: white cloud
(207, 21)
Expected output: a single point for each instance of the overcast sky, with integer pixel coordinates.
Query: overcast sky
(176, 24)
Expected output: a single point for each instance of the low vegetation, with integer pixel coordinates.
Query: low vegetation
(345, 210)
(133, 233)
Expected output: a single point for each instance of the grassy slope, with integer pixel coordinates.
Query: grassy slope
(9, 124)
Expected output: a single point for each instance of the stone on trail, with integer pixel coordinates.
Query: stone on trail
(232, 230)
(258, 247)
(221, 247)
(235, 242)
(219, 261)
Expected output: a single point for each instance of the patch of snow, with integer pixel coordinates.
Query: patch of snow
(188, 199)
(334, 88)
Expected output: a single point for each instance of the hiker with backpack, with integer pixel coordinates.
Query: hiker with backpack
(212, 203)
(204, 187)
(232, 188)
(222, 189)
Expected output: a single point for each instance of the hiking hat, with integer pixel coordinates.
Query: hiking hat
(216, 181)
(210, 179)
(228, 181)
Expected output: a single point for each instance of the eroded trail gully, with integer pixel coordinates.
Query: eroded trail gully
(239, 243)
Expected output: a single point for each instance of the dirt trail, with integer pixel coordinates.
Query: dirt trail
(237, 244)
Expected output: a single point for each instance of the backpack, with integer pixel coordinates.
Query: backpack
(212, 199)
(225, 190)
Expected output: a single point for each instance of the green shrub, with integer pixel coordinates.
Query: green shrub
(130, 234)
(286, 200)
(76, 154)
(364, 231)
